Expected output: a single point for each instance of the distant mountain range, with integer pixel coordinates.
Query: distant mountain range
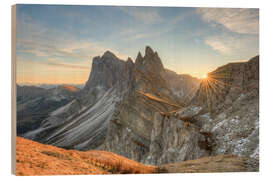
(50, 86)
(147, 113)
(34, 104)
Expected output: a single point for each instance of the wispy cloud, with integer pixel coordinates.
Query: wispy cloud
(230, 45)
(244, 21)
(219, 45)
(138, 34)
(145, 15)
(65, 65)
(55, 62)
(42, 41)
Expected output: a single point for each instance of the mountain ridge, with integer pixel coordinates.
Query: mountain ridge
(126, 108)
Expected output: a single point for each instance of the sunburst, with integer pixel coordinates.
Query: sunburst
(204, 76)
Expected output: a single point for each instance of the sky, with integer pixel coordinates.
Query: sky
(56, 43)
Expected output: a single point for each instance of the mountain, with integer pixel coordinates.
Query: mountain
(82, 123)
(183, 86)
(147, 113)
(69, 88)
(231, 97)
(224, 110)
(113, 85)
(35, 104)
(50, 86)
(131, 131)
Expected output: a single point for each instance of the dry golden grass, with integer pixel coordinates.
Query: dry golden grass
(38, 159)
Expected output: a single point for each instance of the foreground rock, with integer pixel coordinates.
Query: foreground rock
(213, 164)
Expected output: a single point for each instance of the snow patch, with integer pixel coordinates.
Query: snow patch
(255, 153)
(128, 129)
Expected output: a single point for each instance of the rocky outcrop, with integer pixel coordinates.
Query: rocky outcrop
(150, 76)
(108, 72)
(174, 140)
(213, 164)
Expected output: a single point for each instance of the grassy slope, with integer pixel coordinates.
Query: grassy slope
(34, 158)
(38, 159)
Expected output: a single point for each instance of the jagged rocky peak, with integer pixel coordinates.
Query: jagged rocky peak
(153, 57)
(108, 71)
(130, 66)
(148, 51)
(95, 60)
(139, 59)
(129, 60)
(150, 61)
(109, 55)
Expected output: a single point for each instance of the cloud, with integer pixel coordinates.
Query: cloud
(231, 45)
(219, 45)
(243, 21)
(46, 42)
(145, 15)
(138, 34)
(64, 65)
(56, 62)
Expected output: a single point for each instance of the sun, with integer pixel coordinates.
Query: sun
(204, 76)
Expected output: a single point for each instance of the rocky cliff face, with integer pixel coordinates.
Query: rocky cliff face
(108, 72)
(183, 86)
(226, 106)
(140, 129)
(222, 118)
(226, 83)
